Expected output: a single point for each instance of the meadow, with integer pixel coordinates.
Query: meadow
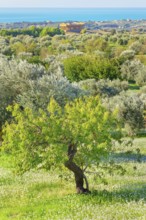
(42, 195)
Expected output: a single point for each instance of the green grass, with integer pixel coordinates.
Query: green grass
(44, 196)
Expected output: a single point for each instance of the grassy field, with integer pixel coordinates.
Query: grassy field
(45, 196)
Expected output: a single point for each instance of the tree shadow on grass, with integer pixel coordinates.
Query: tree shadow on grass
(136, 192)
(134, 87)
(129, 157)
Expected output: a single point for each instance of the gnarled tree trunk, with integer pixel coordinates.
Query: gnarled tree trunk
(78, 172)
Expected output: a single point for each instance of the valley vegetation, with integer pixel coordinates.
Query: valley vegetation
(73, 102)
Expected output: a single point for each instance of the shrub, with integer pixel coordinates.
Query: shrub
(134, 71)
(104, 87)
(88, 67)
(131, 109)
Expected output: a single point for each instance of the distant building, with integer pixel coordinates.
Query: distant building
(72, 27)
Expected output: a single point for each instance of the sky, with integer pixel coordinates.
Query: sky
(71, 3)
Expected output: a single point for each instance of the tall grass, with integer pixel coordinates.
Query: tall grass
(45, 196)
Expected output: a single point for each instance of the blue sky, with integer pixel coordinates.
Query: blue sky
(72, 3)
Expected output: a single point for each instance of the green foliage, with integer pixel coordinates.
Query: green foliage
(88, 67)
(51, 31)
(40, 140)
(31, 31)
(95, 43)
(123, 41)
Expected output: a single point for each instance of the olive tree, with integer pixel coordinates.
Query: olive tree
(131, 108)
(31, 85)
(48, 86)
(134, 71)
(16, 77)
(104, 87)
(136, 46)
(77, 135)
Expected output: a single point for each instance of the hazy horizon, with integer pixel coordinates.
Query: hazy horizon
(74, 4)
(72, 7)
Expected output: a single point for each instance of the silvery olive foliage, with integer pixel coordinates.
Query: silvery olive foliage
(127, 54)
(136, 46)
(31, 85)
(134, 70)
(130, 110)
(15, 78)
(65, 47)
(104, 87)
(4, 46)
(143, 89)
(52, 85)
(19, 71)
(25, 55)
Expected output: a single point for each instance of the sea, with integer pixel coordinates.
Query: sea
(8, 15)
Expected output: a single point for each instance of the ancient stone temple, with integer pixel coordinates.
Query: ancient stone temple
(72, 26)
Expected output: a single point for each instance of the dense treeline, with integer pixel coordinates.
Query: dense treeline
(31, 31)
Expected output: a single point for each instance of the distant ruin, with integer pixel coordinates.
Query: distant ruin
(72, 27)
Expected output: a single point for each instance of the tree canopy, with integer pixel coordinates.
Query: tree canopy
(88, 67)
(79, 133)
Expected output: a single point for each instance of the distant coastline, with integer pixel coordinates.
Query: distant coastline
(10, 15)
(91, 26)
